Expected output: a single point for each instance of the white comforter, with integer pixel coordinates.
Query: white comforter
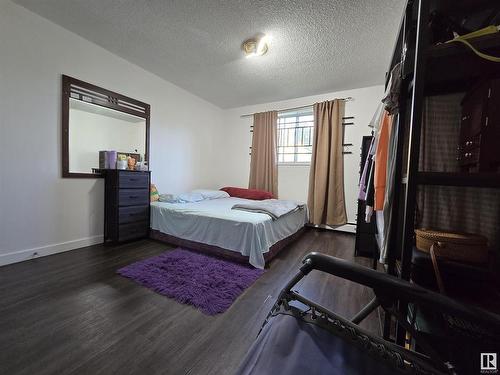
(214, 222)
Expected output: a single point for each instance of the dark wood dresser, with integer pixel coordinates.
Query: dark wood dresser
(127, 209)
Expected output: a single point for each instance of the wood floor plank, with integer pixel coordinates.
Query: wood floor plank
(72, 314)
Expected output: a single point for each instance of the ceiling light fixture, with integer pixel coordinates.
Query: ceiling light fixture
(257, 46)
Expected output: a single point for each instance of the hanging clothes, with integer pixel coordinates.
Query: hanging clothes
(370, 188)
(391, 98)
(370, 194)
(381, 161)
(363, 181)
(375, 124)
(379, 190)
(375, 121)
(390, 184)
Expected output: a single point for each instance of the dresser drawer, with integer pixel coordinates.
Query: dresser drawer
(133, 214)
(133, 180)
(133, 197)
(133, 230)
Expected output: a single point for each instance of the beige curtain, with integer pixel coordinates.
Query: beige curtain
(263, 164)
(326, 178)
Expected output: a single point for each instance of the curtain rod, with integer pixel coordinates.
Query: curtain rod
(348, 99)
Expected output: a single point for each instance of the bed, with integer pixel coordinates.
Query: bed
(212, 226)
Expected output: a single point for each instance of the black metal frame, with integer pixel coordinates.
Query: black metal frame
(418, 79)
(388, 290)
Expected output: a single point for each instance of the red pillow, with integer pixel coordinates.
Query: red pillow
(257, 195)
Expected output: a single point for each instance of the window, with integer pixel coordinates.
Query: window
(295, 136)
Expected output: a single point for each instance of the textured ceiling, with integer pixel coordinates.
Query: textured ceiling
(316, 46)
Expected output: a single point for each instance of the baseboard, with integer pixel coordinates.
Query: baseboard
(37, 252)
(346, 228)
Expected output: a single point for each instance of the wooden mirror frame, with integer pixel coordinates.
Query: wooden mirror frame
(88, 93)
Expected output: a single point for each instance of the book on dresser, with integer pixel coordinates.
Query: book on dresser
(127, 205)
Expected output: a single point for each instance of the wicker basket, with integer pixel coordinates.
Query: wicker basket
(462, 247)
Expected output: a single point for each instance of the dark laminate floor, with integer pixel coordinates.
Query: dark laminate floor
(71, 314)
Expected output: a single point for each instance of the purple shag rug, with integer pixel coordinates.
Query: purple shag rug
(208, 283)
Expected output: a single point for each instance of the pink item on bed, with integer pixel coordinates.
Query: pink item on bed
(254, 194)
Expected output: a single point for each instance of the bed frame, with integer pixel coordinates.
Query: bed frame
(274, 250)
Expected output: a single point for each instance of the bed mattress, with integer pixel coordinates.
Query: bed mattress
(214, 223)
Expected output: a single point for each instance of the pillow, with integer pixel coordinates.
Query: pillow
(153, 193)
(254, 194)
(211, 194)
(181, 198)
(169, 198)
(190, 197)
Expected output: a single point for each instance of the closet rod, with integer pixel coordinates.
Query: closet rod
(348, 99)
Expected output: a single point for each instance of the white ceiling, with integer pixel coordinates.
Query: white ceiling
(316, 46)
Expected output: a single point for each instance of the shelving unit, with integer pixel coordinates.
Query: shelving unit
(452, 67)
(484, 180)
(437, 70)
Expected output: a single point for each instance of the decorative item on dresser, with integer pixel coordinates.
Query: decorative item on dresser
(127, 210)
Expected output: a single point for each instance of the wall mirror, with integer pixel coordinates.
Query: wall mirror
(96, 120)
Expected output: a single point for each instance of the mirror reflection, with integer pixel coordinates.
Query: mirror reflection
(94, 129)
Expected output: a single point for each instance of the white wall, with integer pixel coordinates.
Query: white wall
(39, 210)
(293, 180)
(193, 143)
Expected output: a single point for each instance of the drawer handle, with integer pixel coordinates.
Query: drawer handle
(133, 196)
(132, 179)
